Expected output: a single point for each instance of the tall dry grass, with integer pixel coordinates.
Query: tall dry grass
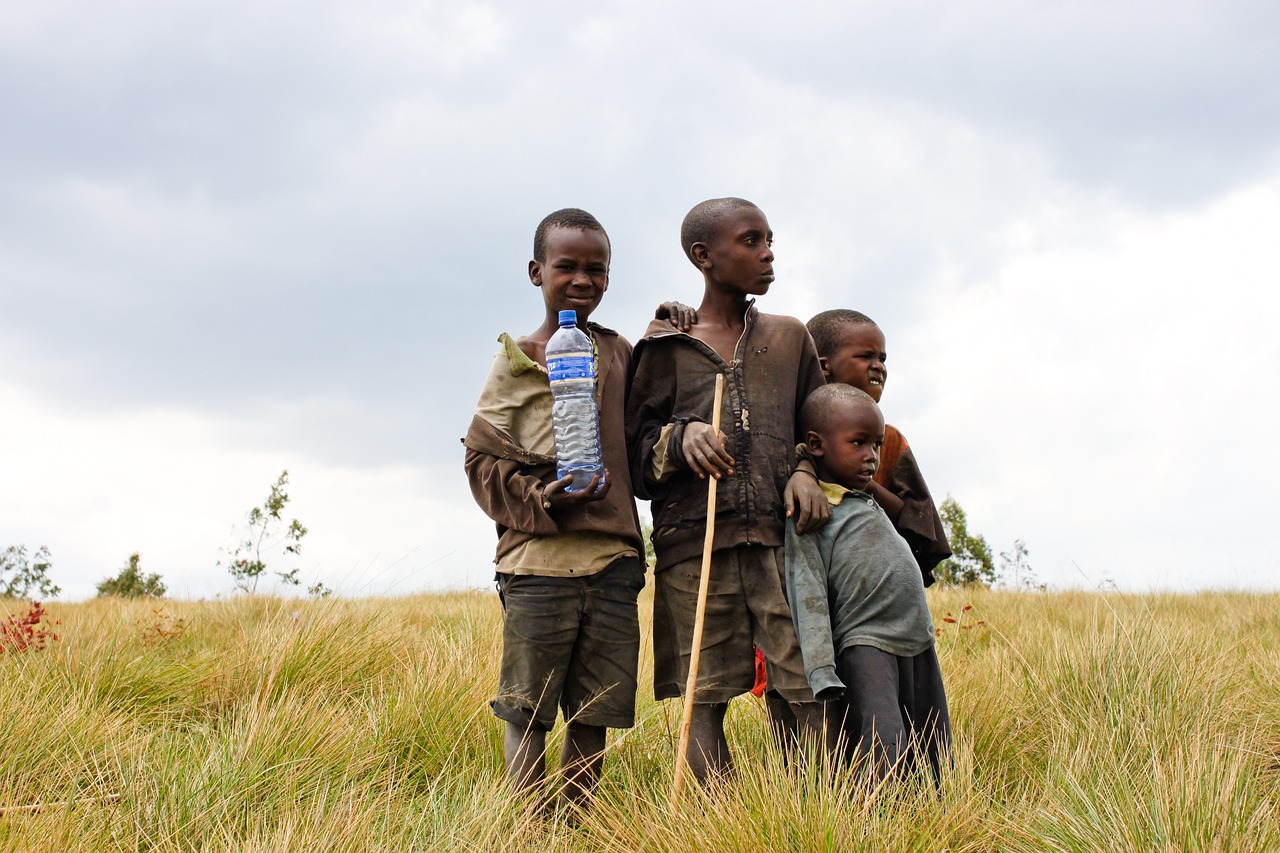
(1082, 722)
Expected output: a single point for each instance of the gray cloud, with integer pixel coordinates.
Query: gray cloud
(322, 212)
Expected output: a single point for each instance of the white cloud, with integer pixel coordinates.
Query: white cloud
(176, 485)
(248, 236)
(1105, 399)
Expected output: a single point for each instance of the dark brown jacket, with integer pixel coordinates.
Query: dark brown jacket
(919, 522)
(673, 382)
(507, 480)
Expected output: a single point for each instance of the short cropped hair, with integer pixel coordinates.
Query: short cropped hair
(569, 217)
(826, 327)
(818, 407)
(700, 224)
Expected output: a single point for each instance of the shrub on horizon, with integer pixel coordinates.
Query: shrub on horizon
(132, 583)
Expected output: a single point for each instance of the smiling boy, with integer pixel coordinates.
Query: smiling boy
(858, 600)
(569, 564)
(769, 365)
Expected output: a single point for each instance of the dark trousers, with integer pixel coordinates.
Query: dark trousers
(894, 710)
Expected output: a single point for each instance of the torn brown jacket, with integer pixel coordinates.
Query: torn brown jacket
(775, 367)
(507, 480)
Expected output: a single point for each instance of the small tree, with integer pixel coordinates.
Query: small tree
(132, 583)
(246, 563)
(970, 562)
(19, 575)
(1015, 569)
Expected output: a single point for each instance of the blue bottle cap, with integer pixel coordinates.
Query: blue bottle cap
(569, 318)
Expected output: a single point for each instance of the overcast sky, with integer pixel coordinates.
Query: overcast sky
(238, 237)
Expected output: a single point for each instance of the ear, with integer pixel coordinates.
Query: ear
(826, 368)
(700, 255)
(535, 273)
(814, 440)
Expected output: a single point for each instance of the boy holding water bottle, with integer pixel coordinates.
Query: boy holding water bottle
(570, 555)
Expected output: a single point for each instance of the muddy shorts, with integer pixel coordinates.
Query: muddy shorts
(746, 607)
(571, 643)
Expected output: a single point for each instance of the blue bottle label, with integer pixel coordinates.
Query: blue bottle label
(571, 366)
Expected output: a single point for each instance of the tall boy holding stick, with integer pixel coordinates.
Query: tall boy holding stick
(769, 366)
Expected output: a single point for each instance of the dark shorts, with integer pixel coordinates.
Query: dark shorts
(571, 643)
(894, 709)
(746, 607)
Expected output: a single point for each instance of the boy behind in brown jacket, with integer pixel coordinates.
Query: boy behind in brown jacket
(852, 351)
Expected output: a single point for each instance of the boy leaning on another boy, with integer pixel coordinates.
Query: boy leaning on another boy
(858, 599)
(569, 563)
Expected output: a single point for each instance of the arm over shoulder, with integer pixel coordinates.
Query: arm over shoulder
(809, 376)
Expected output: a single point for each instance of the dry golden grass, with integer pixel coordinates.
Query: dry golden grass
(1083, 722)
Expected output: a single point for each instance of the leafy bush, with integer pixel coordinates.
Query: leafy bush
(970, 563)
(132, 583)
(19, 576)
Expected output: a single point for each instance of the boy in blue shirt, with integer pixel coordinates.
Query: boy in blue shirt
(857, 597)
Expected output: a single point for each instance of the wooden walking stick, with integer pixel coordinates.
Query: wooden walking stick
(704, 582)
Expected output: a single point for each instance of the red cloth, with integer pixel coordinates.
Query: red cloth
(762, 679)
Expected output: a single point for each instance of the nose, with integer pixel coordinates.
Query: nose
(768, 253)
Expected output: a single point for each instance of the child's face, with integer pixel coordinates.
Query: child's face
(847, 451)
(575, 273)
(858, 360)
(740, 257)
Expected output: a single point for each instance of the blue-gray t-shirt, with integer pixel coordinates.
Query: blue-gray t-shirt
(854, 582)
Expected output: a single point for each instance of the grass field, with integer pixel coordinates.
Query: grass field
(1083, 721)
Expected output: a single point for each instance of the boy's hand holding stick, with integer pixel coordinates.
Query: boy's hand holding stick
(703, 585)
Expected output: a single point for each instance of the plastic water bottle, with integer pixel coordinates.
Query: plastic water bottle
(575, 421)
